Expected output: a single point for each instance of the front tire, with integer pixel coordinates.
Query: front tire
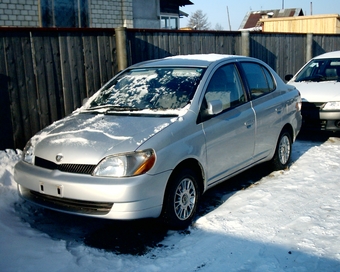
(283, 151)
(181, 199)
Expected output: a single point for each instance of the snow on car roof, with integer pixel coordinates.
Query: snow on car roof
(204, 57)
(334, 54)
(202, 60)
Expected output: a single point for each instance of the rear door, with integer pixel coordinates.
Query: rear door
(230, 135)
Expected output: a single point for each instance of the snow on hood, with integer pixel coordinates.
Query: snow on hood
(323, 91)
(87, 138)
(204, 57)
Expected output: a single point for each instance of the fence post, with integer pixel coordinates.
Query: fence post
(121, 47)
(309, 47)
(245, 43)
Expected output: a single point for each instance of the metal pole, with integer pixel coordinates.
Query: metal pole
(121, 47)
(245, 43)
(228, 18)
(311, 8)
(309, 47)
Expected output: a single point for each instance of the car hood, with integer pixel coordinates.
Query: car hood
(88, 138)
(323, 91)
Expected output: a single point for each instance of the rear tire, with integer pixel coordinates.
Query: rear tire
(181, 199)
(283, 151)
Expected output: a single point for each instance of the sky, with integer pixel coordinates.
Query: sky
(216, 10)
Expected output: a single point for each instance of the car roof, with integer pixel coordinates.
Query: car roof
(329, 55)
(196, 60)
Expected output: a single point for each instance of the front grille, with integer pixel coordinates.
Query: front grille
(66, 204)
(70, 168)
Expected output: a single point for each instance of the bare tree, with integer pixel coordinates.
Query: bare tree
(198, 20)
(218, 27)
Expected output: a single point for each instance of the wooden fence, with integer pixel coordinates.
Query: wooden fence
(285, 53)
(46, 73)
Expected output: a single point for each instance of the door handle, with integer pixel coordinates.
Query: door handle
(249, 123)
(279, 109)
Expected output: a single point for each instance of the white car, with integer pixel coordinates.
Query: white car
(319, 84)
(160, 134)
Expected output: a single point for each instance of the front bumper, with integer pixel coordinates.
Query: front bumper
(314, 118)
(111, 198)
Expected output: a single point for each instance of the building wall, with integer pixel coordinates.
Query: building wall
(19, 13)
(146, 14)
(102, 13)
(111, 14)
(317, 24)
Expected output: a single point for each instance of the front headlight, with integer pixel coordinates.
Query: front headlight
(333, 105)
(126, 165)
(28, 153)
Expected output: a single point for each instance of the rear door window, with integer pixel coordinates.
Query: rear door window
(259, 79)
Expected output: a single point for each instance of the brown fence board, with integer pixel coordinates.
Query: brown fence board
(92, 75)
(14, 72)
(29, 85)
(77, 67)
(6, 135)
(325, 43)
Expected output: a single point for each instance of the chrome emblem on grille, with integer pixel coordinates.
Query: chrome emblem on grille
(59, 157)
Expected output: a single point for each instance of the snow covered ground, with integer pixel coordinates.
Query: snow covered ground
(280, 221)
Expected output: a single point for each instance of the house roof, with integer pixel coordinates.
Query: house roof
(252, 17)
(182, 3)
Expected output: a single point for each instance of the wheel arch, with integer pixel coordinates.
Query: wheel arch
(289, 128)
(194, 165)
(171, 207)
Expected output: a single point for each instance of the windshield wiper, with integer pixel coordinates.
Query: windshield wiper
(315, 78)
(120, 108)
(113, 108)
(108, 109)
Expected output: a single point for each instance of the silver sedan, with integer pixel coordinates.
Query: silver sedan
(158, 135)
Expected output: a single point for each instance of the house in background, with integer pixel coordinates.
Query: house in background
(316, 24)
(93, 13)
(252, 19)
(158, 13)
(290, 21)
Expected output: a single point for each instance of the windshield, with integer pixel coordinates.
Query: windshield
(149, 88)
(320, 70)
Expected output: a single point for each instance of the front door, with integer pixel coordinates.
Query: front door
(230, 135)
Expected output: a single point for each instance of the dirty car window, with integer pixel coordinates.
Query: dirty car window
(154, 88)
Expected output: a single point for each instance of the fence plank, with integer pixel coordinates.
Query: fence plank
(6, 128)
(75, 48)
(92, 75)
(30, 87)
(16, 87)
(105, 59)
(66, 73)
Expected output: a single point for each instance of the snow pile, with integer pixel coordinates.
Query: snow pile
(285, 221)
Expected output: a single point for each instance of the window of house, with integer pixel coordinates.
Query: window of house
(64, 13)
(169, 22)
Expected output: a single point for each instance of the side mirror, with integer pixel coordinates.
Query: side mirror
(214, 107)
(288, 77)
